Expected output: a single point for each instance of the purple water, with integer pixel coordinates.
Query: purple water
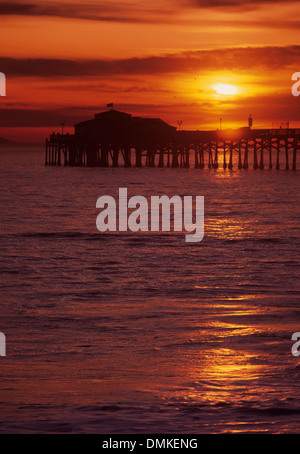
(144, 333)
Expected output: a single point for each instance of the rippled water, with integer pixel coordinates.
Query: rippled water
(144, 333)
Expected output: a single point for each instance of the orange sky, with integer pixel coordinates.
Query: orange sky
(64, 61)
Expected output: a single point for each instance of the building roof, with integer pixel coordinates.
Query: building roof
(112, 114)
(116, 115)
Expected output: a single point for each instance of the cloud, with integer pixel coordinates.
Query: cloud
(236, 5)
(113, 11)
(265, 109)
(129, 11)
(253, 23)
(240, 58)
(134, 11)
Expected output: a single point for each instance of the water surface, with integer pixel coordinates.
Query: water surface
(144, 333)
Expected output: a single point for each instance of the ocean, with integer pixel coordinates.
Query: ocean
(140, 333)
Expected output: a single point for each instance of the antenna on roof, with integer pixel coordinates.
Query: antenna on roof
(110, 106)
(62, 127)
(179, 122)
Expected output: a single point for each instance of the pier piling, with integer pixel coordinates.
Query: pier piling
(204, 147)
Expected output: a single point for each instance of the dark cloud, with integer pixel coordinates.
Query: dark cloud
(236, 5)
(266, 109)
(13, 116)
(10, 8)
(254, 23)
(100, 11)
(118, 11)
(22, 117)
(244, 59)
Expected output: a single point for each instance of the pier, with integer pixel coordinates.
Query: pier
(116, 139)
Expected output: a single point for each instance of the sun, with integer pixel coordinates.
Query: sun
(225, 89)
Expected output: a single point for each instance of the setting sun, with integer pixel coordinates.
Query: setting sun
(225, 89)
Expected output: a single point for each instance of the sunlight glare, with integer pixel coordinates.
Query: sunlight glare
(225, 89)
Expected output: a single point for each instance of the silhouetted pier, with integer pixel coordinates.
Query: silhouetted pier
(114, 139)
(204, 147)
